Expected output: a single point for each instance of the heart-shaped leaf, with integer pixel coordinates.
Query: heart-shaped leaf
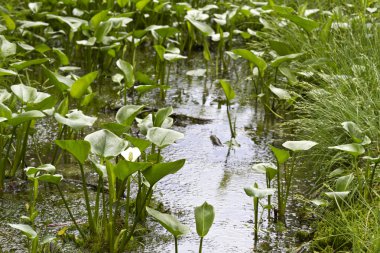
(105, 143)
(127, 114)
(299, 145)
(204, 217)
(354, 149)
(162, 137)
(160, 170)
(75, 119)
(78, 148)
(259, 193)
(124, 169)
(79, 87)
(281, 155)
(252, 58)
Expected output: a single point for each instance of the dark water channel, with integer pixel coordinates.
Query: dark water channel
(215, 174)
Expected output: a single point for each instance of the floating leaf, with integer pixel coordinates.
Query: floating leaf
(169, 222)
(204, 217)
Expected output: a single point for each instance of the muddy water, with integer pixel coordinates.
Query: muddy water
(216, 174)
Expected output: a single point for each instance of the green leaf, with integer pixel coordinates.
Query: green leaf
(160, 51)
(280, 93)
(122, 3)
(161, 115)
(325, 30)
(204, 217)
(173, 57)
(259, 193)
(160, 170)
(102, 30)
(127, 70)
(169, 222)
(252, 58)
(6, 72)
(9, 23)
(127, 114)
(75, 120)
(162, 137)
(63, 59)
(106, 144)
(281, 59)
(343, 182)
(139, 143)
(4, 95)
(356, 133)
(24, 64)
(203, 27)
(61, 82)
(25, 229)
(228, 91)
(54, 179)
(140, 5)
(267, 168)
(25, 116)
(305, 23)
(6, 48)
(5, 112)
(354, 149)
(48, 168)
(280, 47)
(97, 18)
(337, 195)
(78, 148)
(196, 72)
(299, 145)
(79, 87)
(124, 169)
(73, 23)
(281, 155)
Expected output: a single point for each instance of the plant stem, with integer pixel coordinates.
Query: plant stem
(69, 211)
(229, 120)
(200, 245)
(88, 207)
(256, 207)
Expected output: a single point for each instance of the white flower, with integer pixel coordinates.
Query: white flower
(131, 154)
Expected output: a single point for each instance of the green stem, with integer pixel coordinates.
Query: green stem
(88, 207)
(56, 146)
(69, 211)
(200, 245)
(176, 244)
(20, 155)
(229, 120)
(256, 207)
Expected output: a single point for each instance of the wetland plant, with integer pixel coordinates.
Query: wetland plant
(230, 95)
(204, 217)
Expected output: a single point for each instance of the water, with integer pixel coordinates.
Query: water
(216, 174)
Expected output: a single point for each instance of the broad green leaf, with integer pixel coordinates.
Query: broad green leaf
(61, 82)
(299, 145)
(4, 95)
(143, 78)
(75, 120)
(25, 24)
(97, 18)
(63, 59)
(319, 202)
(26, 229)
(139, 143)
(127, 70)
(305, 23)
(48, 168)
(343, 182)
(5, 112)
(105, 144)
(169, 222)
(204, 217)
(280, 93)
(115, 128)
(79, 87)
(203, 27)
(122, 3)
(124, 169)
(6, 48)
(102, 30)
(127, 114)
(288, 74)
(9, 23)
(28, 94)
(158, 171)
(25, 116)
(73, 23)
(162, 137)
(354, 149)
(252, 58)
(160, 51)
(90, 42)
(281, 59)
(24, 64)
(78, 148)
(166, 32)
(281, 155)
(356, 133)
(259, 193)
(6, 72)
(140, 5)
(47, 102)
(161, 115)
(269, 169)
(325, 30)
(54, 179)
(281, 48)
(228, 91)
